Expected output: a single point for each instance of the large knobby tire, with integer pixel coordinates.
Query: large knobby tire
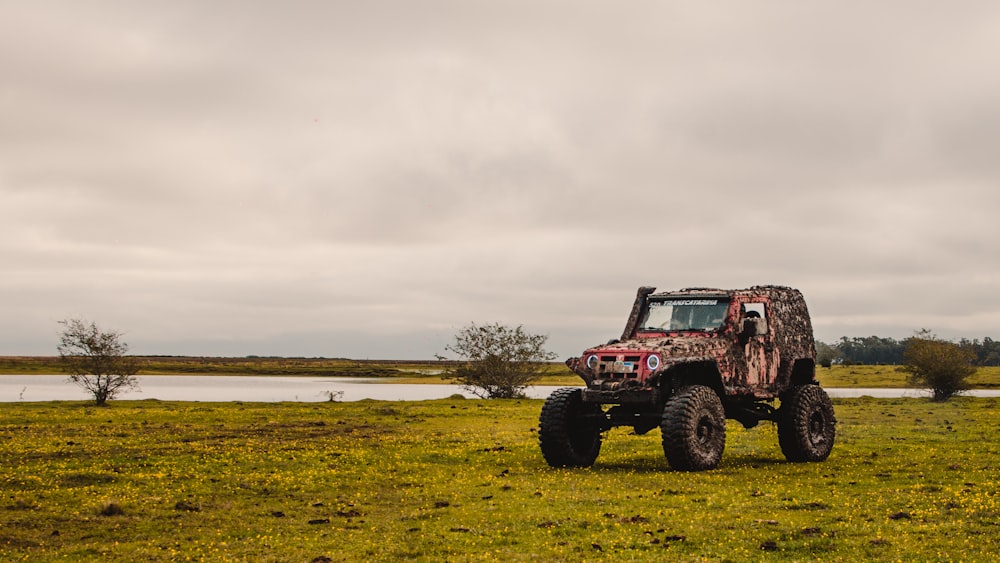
(694, 429)
(806, 425)
(569, 430)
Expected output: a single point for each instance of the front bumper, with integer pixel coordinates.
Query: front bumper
(641, 396)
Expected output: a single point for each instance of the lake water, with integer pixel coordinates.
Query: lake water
(14, 388)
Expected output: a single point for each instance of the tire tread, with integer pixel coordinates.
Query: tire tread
(798, 405)
(681, 416)
(555, 430)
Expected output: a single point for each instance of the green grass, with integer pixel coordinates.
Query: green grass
(463, 480)
(892, 377)
(184, 365)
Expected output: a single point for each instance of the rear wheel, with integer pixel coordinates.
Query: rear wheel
(694, 429)
(806, 425)
(569, 430)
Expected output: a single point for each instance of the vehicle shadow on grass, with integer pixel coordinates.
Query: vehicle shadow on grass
(660, 465)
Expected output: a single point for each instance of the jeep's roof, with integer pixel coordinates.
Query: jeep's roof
(716, 292)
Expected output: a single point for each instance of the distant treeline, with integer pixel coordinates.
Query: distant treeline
(873, 350)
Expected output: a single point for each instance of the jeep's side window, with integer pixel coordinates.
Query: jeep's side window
(755, 313)
(754, 310)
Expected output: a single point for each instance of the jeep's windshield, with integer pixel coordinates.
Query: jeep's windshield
(684, 314)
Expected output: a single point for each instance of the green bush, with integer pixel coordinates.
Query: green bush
(942, 366)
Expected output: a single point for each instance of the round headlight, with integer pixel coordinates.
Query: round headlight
(592, 361)
(652, 362)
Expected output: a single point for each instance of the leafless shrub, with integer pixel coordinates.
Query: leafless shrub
(96, 360)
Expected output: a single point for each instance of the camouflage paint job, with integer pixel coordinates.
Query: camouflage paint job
(740, 366)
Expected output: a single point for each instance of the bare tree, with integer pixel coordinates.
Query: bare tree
(940, 365)
(499, 361)
(97, 360)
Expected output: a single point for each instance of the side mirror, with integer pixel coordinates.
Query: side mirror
(753, 326)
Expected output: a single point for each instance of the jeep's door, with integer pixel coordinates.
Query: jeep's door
(759, 350)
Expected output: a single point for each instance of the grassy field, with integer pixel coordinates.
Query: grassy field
(463, 480)
(183, 365)
(892, 377)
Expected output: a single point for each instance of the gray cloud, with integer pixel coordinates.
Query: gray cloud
(351, 179)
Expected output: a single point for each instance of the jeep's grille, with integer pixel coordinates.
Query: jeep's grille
(620, 367)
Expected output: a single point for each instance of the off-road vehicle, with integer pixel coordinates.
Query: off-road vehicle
(686, 362)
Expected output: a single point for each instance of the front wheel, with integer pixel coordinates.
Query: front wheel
(569, 430)
(694, 429)
(806, 425)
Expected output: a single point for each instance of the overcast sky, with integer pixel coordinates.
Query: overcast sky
(361, 179)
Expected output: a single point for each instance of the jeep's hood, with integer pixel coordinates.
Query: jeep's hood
(668, 347)
(633, 356)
